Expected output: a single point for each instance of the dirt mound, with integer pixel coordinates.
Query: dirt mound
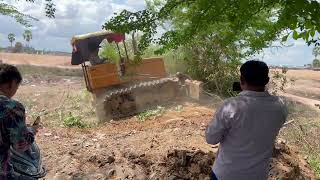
(182, 164)
(287, 164)
(196, 164)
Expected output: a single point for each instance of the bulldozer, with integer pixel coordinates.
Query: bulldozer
(126, 88)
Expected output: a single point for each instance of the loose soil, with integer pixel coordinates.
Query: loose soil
(169, 146)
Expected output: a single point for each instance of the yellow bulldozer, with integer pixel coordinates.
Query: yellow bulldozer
(124, 89)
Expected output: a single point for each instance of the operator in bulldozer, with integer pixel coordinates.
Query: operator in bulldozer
(19, 155)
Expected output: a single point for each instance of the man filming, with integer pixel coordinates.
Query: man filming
(246, 127)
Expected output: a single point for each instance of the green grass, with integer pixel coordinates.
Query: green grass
(48, 71)
(151, 113)
(74, 121)
(314, 162)
(304, 133)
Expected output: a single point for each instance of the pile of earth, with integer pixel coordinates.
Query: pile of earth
(181, 164)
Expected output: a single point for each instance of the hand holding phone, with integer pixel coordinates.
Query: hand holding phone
(236, 87)
(36, 124)
(37, 121)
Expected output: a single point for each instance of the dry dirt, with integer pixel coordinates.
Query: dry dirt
(170, 146)
(305, 88)
(37, 60)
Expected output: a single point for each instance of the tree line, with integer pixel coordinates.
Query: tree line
(27, 36)
(316, 61)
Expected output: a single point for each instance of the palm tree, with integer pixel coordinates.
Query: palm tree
(11, 38)
(316, 63)
(316, 52)
(27, 35)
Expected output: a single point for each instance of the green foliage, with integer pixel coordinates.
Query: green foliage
(24, 19)
(279, 81)
(215, 36)
(74, 121)
(230, 20)
(316, 52)
(316, 63)
(11, 38)
(27, 35)
(314, 161)
(18, 48)
(86, 95)
(151, 113)
(109, 52)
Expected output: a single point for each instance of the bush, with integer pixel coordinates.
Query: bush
(17, 48)
(279, 81)
(74, 121)
(109, 52)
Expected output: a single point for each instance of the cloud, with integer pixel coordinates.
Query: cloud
(82, 16)
(72, 17)
(298, 54)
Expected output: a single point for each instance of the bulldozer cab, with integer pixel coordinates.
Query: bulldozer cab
(101, 73)
(86, 47)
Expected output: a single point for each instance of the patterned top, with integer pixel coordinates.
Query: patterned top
(13, 131)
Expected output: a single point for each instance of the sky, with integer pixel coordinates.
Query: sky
(75, 17)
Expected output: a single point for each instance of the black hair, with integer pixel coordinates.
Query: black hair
(8, 73)
(255, 73)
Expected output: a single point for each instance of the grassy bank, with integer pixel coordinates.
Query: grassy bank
(304, 132)
(49, 71)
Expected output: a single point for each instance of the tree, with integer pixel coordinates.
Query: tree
(316, 63)
(27, 35)
(297, 18)
(18, 47)
(316, 52)
(215, 36)
(24, 19)
(11, 38)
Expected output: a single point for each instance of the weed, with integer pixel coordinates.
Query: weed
(279, 81)
(151, 113)
(304, 132)
(314, 161)
(74, 121)
(85, 95)
(179, 108)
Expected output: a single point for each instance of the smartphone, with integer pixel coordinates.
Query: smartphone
(37, 121)
(236, 87)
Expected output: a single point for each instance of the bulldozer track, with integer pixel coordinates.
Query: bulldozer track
(132, 99)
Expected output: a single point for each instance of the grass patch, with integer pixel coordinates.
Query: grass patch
(179, 108)
(314, 161)
(48, 71)
(151, 113)
(74, 121)
(304, 133)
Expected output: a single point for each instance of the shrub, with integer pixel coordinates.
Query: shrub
(74, 121)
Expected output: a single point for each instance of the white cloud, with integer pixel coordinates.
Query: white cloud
(296, 55)
(72, 17)
(83, 16)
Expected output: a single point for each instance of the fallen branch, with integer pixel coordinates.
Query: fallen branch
(287, 123)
